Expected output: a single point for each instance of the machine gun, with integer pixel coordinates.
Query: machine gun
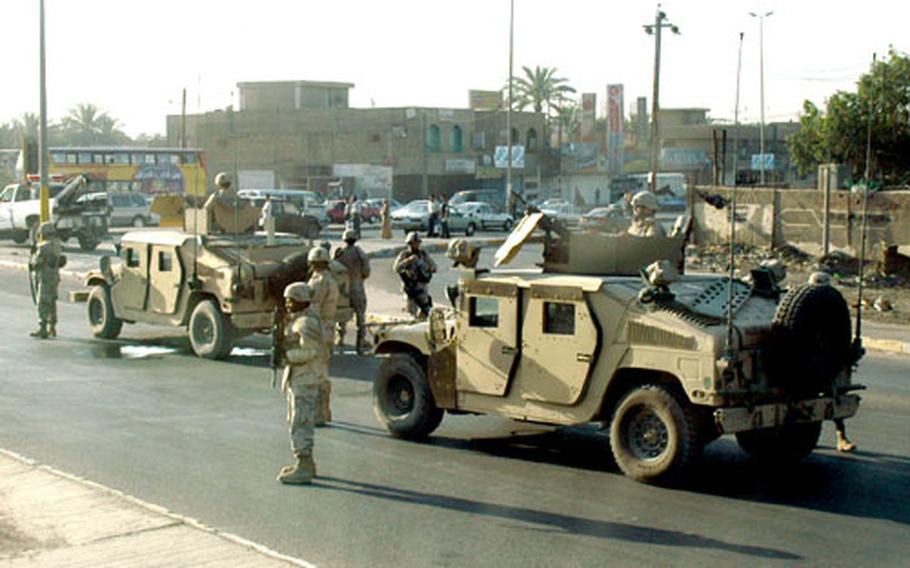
(548, 224)
(277, 355)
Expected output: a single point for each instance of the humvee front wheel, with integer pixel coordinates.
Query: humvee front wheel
(787, 444)
(653, 436)
(101, 319)
(402, 399)
(210, 332)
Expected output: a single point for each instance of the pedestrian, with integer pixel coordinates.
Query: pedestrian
(386, 220)
(358, 267)
(415, 268)
(304, 357)
(597, 196)
(353, 214)
(325, 302)
(433, 210)
(444, 218)
(44, 266)
(267, 216)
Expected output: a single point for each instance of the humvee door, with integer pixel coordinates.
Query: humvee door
(487, 337)
(131, 289)
(166, 277)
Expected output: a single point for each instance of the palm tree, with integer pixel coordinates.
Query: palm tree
(568, 119)
(26, 126)
(81, 125)
(540, 89)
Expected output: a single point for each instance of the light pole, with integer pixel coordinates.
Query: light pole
(739, 64)
(660, 22)
(761, 67)
(510, 201)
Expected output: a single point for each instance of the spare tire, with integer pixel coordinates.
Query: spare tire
(810, 340)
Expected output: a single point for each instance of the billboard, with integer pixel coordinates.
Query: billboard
(501, 157)
(588, 116)
(484, 100)
(615, 120)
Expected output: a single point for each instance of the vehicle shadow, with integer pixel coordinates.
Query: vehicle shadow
(550, 521)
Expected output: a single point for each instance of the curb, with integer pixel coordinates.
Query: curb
(887, 345)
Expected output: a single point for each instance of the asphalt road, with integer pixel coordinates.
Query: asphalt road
(205, 439)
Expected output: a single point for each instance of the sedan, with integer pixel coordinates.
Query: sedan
(414, 216)
(606, 219)
(485, 215)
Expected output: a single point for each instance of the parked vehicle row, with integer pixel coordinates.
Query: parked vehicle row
(466, 217)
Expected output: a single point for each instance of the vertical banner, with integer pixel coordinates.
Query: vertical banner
(615, 122)
(588, 109)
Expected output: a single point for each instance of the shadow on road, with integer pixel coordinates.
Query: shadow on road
(550, 521)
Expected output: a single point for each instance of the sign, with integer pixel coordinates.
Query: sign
(366, 176)
(588, 115)
(484, 100)
(615, 122)
(681, 157)
(757, 161)
(460, 166)
(501, 157)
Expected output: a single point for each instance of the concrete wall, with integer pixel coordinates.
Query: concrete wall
(767, 217)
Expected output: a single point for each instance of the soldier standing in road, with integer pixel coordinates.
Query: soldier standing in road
(644, 222)
(303, 373)
(358, 265)
(386, 220)
(353, 214)
(325, 301)
(415, 268)
(45, 263)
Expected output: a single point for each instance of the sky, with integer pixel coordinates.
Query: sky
(132, 58)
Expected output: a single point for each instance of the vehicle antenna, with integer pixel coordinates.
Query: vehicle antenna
(858, 337)
(195, 229)
(732, 205)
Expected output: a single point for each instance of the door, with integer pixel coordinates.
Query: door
(487, 337)
(166, 278)
(559, 344)
(6, 209)
(131, 290)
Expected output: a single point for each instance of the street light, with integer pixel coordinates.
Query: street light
(660, 22)
(761, 66)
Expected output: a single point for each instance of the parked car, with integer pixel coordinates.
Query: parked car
(607, 219)
(561, 210)
(130, 210)
(496, 198)
(334, 209)
(290, 219)
(377, 202)
(485, 215)
(414, 216)
(308, 202)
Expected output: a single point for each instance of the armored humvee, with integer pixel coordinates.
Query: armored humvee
(588, 339)
(220, 287)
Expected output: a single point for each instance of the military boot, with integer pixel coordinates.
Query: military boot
(299, 473)
(41, 333)
(844, 444)
(52, 330)
(363, 347)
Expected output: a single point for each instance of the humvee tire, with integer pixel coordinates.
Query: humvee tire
(210, 332)
(402, 399)
(653, 436)
(87, 243)
(101, 319)
(785, 445)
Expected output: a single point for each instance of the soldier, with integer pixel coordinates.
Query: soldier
(415, 268)
(358, 265)
(304, 354)
(463, 253)
(386, 220)
(644, 224)
(325, 301)
(45, 263)
(225, 212)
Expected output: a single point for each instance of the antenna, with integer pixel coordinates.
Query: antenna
(729, 340)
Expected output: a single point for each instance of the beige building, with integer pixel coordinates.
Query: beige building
(303, 134)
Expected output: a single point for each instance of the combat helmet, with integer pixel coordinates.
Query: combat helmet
(222, 180)
(645, 200)
(413, 237)
(318, 254)
(299, 292)
(462, 252)
(46, 230)
(348, 235)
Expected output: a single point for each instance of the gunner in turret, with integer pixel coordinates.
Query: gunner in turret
(644, 222)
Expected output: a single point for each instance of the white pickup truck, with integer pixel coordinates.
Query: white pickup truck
(20, 212)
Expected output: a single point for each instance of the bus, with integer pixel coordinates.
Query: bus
(132, 169)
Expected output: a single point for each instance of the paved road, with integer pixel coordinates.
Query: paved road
(205, 439)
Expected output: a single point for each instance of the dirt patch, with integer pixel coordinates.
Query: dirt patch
(13, 542)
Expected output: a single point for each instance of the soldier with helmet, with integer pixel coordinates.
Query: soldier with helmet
(303, 373)
(415, 268)
(644, 222)
(225, 212)
(45, 263)
(463, 253)
(325, 302)
(358, 267)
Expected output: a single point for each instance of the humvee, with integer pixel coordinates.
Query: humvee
(220, 287)
(586, 339)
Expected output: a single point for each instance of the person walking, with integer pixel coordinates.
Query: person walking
(433, 209)
(444, 218)
(415, 268)
(386, 220)
(325, 302)
(303, 349)
(358, 267)
(45, 263)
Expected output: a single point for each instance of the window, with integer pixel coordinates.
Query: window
(484, 312)
(456, 139)
(97, 158)
(7, 194)
(165, 158)
(23, 193)
(514, 136)
(120, 200)
(532, 139)
(109, 158)
(71, 158)
(559, 318)
(85, 157)
(148, 159)
(138, 200)
(58, 157)
(432, 138)
(120, 158)
(189, 158)
(132, 257)
(136, 159)
(165, 261)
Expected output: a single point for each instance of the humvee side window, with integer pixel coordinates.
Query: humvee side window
(484, 312)
(165, 261)
(132, 257)
(559, 318)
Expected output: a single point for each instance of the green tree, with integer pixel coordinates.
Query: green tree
(87, 125)
(568, 120)
(839, 133)
(539, 89)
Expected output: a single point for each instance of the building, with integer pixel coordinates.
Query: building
(303, 134)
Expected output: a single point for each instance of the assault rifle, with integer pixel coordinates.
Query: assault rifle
(277, 356)
(414, 274)
(548, 224)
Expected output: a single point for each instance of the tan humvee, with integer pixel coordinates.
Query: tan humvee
(588, 339)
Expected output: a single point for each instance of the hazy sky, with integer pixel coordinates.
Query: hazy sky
(133, 57)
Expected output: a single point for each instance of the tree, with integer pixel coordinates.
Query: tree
(839, 133)
(568, 120)
(540, 89)
(86, 125)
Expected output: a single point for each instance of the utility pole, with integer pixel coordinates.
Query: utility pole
(183, 121)
(44, 211)
(761, 68)
(510, 201)
(660, 22)
(739, 65)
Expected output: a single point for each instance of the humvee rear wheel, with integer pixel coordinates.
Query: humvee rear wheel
(402, 399)
(101, 319)
(787, 444)
(210, 332)
(653, 436)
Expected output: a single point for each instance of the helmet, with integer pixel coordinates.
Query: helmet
(412, 237)
(348, 235)
(222, 180)
(299, 292)
(317, 254)
(645, 200)
(463, 252)
(46, 229)
(820, 279)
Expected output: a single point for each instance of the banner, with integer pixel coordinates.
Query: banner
(501, 157)
(757, 161)
(588, 116)
(484, 100)
(615, 121)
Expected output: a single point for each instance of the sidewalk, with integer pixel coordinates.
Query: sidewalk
(50, 518)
